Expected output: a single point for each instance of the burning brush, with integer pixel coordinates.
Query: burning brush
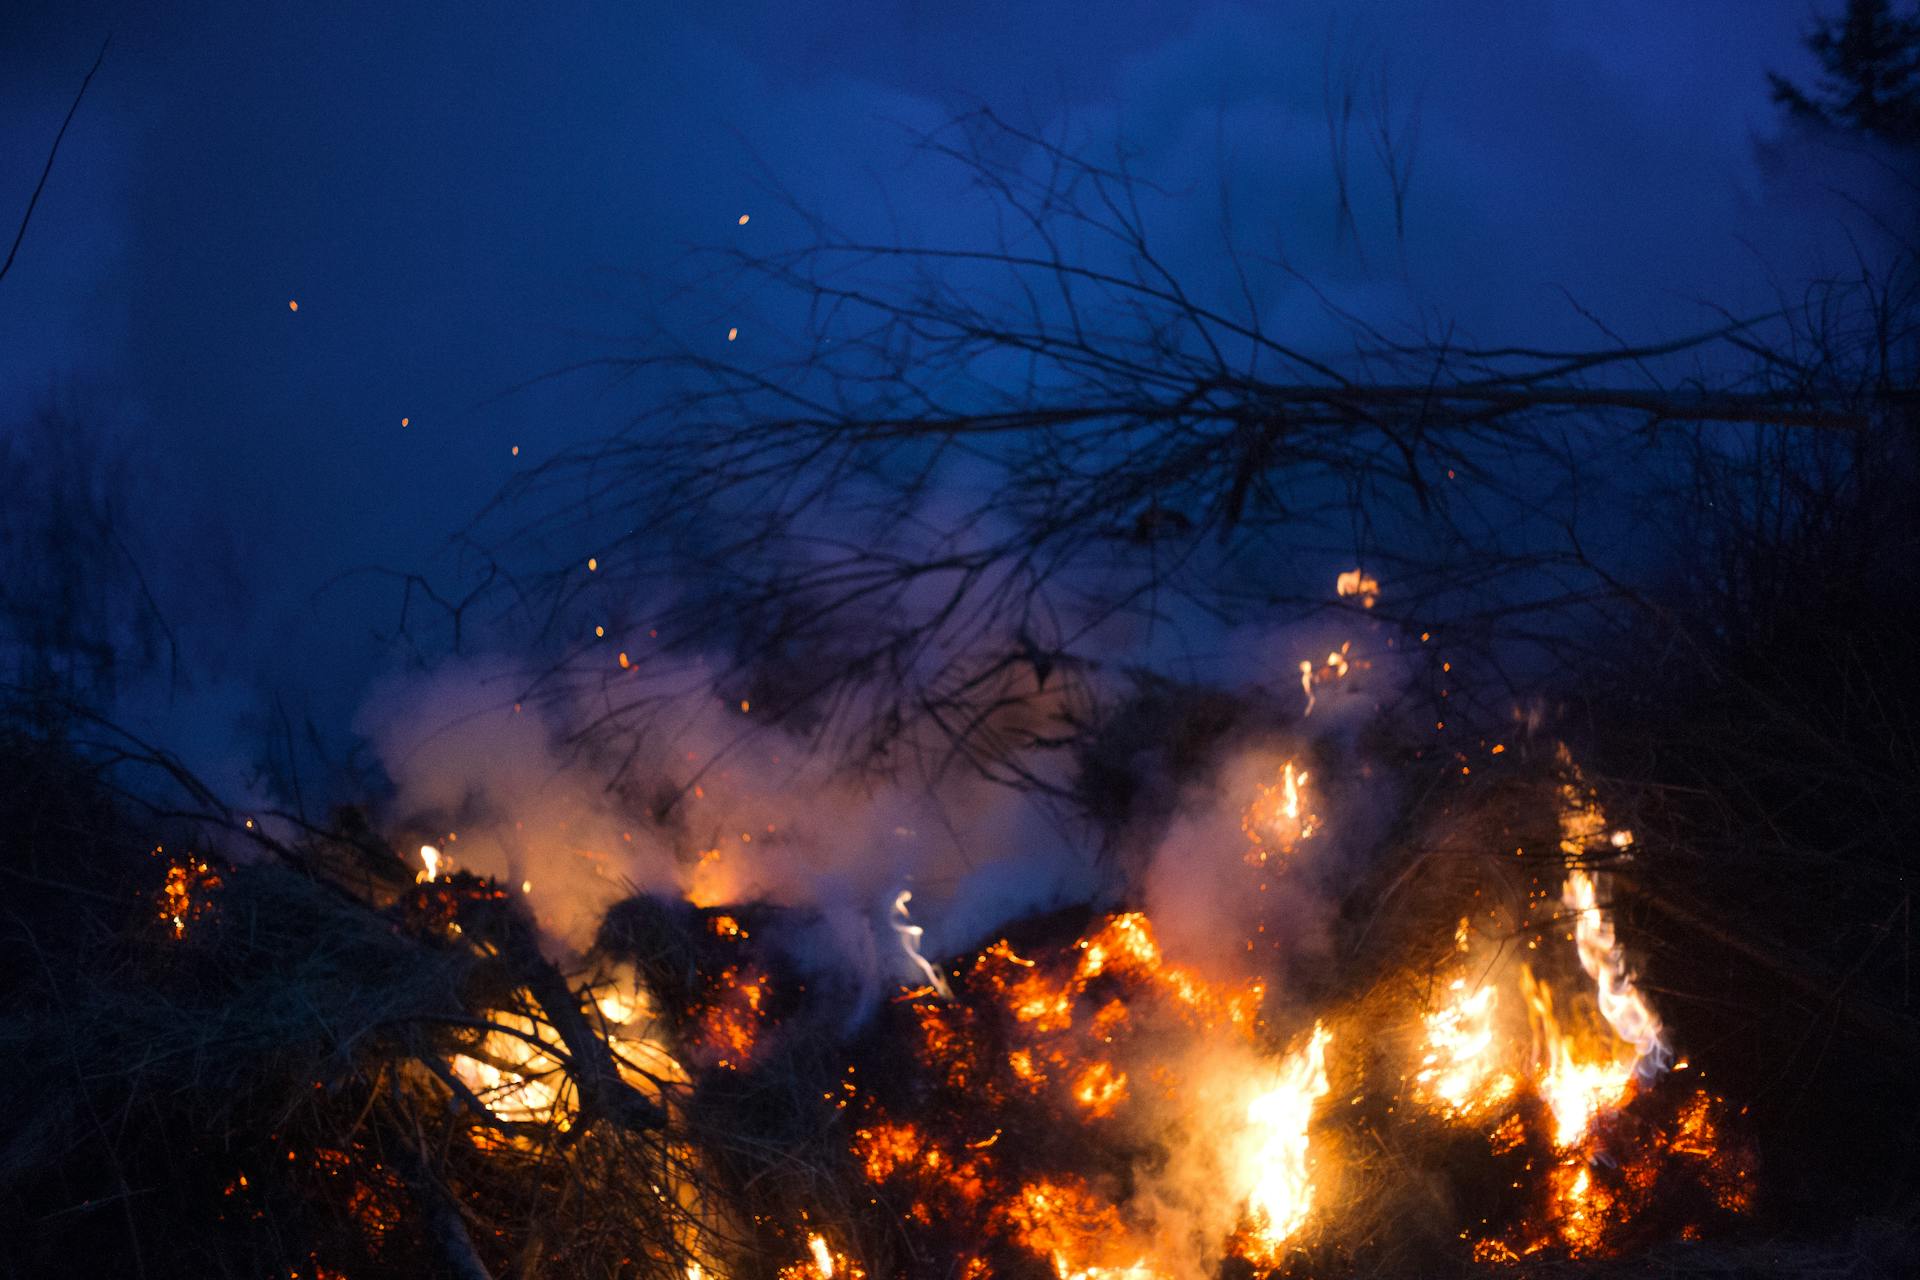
(1070, 1101)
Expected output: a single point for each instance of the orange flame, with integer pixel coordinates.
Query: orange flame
(1279, 816)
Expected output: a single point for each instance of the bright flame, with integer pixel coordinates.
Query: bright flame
(1278, 1117)
(430, 860)
(822, 1256)
(1576, 1087)
(1460, 1073)
(1099, 1088)
(910, 935)
(1279, 818)
(1606, 963)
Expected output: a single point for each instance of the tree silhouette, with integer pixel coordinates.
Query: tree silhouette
(977, 464)
(1871, 85)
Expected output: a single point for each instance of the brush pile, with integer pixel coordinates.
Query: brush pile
(310, 1057)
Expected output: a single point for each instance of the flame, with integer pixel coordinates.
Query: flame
(514, 1076)
(520, 1079)
(1099, 1088)
(1279, 818)
(430, 864)
(1079, 1231)
(1461, 1073)
(1580, 1081)
(1339, 664)
(1356, 582)
(1606, 963)
(712, 880)
(1278, 1117)
(910, 935)
(1576, 1083)
(822, 1263)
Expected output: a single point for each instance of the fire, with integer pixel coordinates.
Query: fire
(1605, 962)
(1279, 816)
(823, 1263)
(1099, 1089)
(430, 865)
(514, 1075)
(1576, 1086)
(910, 934)
(186, 893)
(1097, 1110)
(1358, 583)
(1461, 1073)
(1338, 665)
(1079, 1231)
(1278, 1117)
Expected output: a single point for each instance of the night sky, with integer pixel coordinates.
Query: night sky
(462, 197)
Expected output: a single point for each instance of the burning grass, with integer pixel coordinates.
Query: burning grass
(329, 1061)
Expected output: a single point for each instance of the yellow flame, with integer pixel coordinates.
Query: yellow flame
(1281, 1197)
(1138, 1271)
(1279, 816)
(430, 861)
(1576, 1085)
(1460, 1073)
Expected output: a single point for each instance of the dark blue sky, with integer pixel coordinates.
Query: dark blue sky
(461, 196)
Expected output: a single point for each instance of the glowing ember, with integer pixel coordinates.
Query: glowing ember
(185, 895)
(1080, 1232)
(1099, 1088)
(1355, 582)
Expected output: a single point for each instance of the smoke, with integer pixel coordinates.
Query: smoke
(503, 785)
